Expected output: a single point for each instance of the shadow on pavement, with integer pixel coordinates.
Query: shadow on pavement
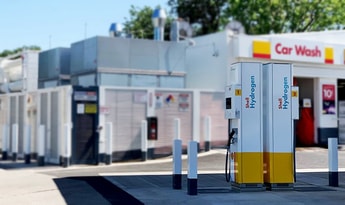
(81, 190)
(20, 164)
(215, 183)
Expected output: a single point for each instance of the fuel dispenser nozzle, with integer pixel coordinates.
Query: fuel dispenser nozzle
(231, 137)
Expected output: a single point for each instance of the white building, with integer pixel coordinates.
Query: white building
(317, 58)
(140, 78)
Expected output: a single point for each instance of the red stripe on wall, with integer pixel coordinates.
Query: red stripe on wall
(261, 55)
(329, 61)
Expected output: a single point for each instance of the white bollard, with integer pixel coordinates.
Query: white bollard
(192, 179)
(177, 164)
(333, 177)
(208, 127)
(27, 144)
(66, 161)
(14, 142)
(41, 145)
(4, 142)
(143, 140)
(177, 126)
(109, 143)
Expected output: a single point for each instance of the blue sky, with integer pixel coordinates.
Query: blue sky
(58, 23)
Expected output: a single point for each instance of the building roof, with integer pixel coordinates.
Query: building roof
(332, 37)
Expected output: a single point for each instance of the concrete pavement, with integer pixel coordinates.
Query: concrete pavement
(150, 182)
(28, 187)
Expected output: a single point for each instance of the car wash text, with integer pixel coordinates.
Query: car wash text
(298, 50)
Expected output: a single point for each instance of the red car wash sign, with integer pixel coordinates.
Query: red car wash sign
(297, 50)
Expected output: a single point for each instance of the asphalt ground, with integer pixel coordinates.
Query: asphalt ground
(150, 182)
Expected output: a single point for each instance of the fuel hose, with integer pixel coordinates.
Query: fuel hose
(227, 166)
(227, 157)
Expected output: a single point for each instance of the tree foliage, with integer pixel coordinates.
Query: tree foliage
(281, 16)
(256, 16)
(7, 52)
(206, 15)
(140, 23)
(262, 16)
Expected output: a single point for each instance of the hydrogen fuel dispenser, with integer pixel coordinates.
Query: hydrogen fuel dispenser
(280, 109)
(243, 103)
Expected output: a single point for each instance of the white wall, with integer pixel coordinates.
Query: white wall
(207, 61)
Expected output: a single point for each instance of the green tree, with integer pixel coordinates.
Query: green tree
(140, 23)
(262, 16)
(7, 52)
(281, 16)
(206, 16)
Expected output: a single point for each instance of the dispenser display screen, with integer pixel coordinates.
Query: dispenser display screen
(228, 103)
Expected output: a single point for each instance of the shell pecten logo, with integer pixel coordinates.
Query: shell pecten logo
(261, 49)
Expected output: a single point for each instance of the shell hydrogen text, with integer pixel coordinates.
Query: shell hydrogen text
(283, 102)
(250, 100)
